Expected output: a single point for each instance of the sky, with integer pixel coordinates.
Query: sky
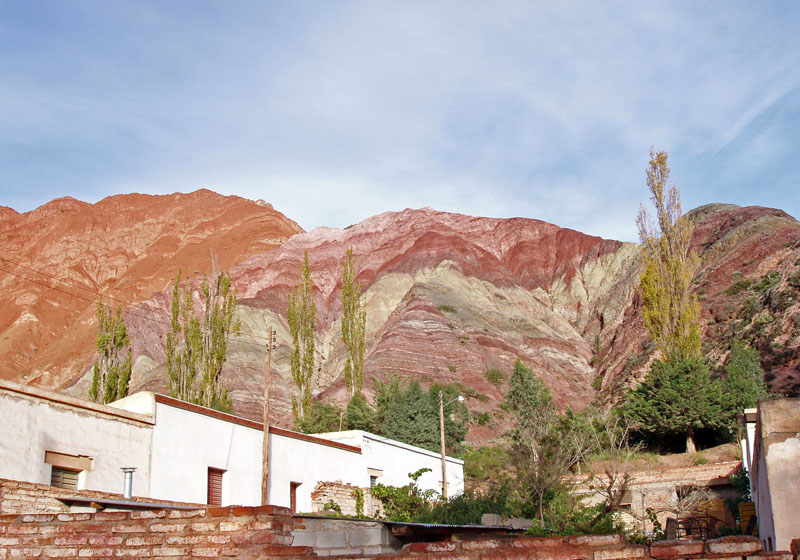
(335, 111)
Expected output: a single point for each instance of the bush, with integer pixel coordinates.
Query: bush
(467, 508)
(407, 503)
(495, 377)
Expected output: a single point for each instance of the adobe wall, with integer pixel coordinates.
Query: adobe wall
(19, 497)
(230, 532)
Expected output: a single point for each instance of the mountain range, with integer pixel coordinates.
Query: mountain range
(448, 296)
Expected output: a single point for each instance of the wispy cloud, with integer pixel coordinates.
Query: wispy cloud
(339, 110)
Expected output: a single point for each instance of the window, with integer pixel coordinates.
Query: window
(68, 471)
(64, 478)
(374, 474)
(215, 486)
(293, 495)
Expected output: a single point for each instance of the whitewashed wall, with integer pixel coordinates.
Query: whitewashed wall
(397, 460)
(33, 421)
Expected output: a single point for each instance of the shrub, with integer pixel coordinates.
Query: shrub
(495, 377)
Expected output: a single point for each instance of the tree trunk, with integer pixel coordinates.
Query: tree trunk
(541, 511)
(690, 447)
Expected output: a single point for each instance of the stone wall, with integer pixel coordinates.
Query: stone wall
(232, 532)
(344, 496)
(18, 497)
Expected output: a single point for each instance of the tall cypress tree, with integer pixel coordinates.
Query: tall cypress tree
(301, 313)
(111, 372)
(354, 322)
(669, 307)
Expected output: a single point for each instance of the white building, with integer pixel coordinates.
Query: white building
(187, 453)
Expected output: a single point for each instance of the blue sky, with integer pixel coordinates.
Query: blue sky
(336, 111)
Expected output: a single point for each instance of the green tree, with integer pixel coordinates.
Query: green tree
(322, 417)
(197, 347)
(744, 378)
(677, 397)
(543, 448)
(360, 415)
(412, 416)
(354, 322)
(669, 307)
(301, 313)
(112, 370)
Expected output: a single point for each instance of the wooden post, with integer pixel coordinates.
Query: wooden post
(444, 458)
(265, 444)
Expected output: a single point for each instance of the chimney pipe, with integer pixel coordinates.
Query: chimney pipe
(128, 490)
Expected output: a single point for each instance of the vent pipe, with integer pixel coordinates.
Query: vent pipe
(128, 490)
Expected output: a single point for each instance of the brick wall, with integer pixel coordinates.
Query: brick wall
(343, 495)
(591, 547)
(232, 532)
(18, 497)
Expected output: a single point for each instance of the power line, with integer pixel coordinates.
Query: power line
(130, 305)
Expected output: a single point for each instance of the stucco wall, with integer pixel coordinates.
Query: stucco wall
(186, 444)
(776, 479)
(396, 460)
(33, 421)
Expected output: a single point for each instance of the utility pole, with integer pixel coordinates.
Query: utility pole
(444, 459)
(265, 444)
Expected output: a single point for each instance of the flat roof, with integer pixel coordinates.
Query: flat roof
(224, 416)
(89, 406)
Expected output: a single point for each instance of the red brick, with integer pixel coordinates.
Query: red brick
(37, 518)
(204, 527)
(169, 551)
(242, 511)
(61, 541)
(779, 555)
(148, 514)
(621, 553)
(485, 544)
(204, 552)
(127, 528)
(167, 527)
(596, 540)
(9, 541)
(795, 547)
(231, 525)
(60, 552)
(185, 514)
(143, 541)
(676, 549)
(218, 511)
(273, 510)
(538, 542)
(734, 546)
(28, 552)
(115, 540)
(21, 530)
(270, 551)
(443, 546)
(111, 515)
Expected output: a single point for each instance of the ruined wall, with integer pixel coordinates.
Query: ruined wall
(344, 496)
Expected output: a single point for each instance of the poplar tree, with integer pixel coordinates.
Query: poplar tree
(300, 314)
(354, 322)
(112, 370)
(669, 307)
(197, 346)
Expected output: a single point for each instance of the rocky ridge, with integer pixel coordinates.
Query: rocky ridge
(58, 257)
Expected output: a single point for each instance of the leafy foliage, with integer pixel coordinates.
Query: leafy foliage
(405, 503)
(678, 396)
(112, 370)
(301, 313)
(322, 417)
(360, 415)
(495, 377)
(744, 378)
(669, 307)
(543, 446)
(354, 322)
(197, 347)
(412, 416)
